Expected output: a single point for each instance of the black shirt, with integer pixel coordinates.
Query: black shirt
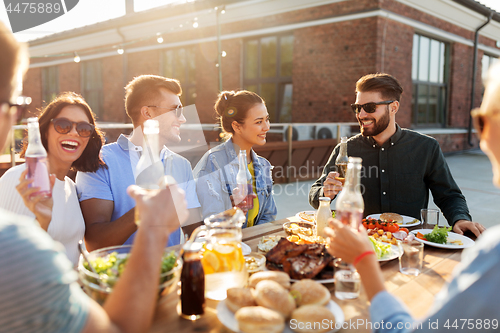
(397, 176)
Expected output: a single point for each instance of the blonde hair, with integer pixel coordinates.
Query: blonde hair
(14, 60)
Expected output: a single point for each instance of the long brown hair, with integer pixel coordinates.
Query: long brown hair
(89, 161)
(233, 106)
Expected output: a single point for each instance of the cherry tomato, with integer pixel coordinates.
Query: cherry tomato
(371, 225)
(379, 224)
(405, 230)
(392, 227)
(365, 224)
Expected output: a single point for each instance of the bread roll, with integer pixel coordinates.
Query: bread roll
(272, 295)
(239, 297)
(312, 318)
(257, 319)
(391, 217)
(307, 291)
(281, 277)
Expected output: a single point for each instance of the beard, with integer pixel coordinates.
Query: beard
(378, 125)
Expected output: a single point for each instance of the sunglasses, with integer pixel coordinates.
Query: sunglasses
(21, 106)
(179, 111)
(64, 126)
(368, 107)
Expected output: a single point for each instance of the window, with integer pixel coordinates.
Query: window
(429, 76)
(50, 84)
(92, 86)
(268, 72)
(180, 64)
(486, 63)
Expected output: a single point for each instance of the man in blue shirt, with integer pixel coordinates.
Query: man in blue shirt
(107, 209)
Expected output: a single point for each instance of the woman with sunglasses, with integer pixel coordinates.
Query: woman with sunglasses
(472, 294)
(68, 133)
(244, 120)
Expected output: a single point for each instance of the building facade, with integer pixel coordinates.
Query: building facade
(302, 56)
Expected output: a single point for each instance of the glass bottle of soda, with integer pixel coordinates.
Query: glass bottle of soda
(243, 200)
(149, 170)
(192, 282)
(36, 159)
(342, 160)
(323, 214)
(350, 204)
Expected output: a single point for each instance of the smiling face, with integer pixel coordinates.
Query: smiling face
(254, 129)
(64, 149)
(373, 124)
(169, 123)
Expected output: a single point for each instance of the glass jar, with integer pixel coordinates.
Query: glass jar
(323, 214)
(192, 282)
(222, 258)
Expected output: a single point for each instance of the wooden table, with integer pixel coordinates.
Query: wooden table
(416, 292)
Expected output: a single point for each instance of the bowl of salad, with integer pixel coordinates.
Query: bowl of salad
(109, 263)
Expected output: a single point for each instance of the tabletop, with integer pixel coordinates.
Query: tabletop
(416, 292)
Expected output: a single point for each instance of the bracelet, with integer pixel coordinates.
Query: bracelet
(361, 256)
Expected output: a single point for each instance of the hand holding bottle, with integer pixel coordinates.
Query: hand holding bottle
(332, 186)
(35, 200)
(243, 199)
(346, 242)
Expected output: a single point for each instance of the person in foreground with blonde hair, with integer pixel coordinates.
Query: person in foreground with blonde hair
(473, 295)
(38, 288)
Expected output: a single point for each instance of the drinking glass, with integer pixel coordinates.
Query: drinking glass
(412, 257)
(347, 284)
(430, 218)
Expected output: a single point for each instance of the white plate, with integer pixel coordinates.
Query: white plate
(467, 242)
(395, 253)
(308, 212)
(407, 220)
(226, 317)
(245, 249)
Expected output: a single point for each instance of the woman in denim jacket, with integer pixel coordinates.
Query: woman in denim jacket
(244, 120)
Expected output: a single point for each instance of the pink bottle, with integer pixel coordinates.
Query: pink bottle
(36, 159)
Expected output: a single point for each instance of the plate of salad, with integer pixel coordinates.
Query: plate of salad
(442, 238)
(384, 251)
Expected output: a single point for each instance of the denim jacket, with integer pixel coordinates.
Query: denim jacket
(211, 182)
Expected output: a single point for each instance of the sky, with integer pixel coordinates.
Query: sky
(88, 12)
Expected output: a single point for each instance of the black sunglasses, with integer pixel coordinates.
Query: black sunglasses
(64, 126)
(178, 110)
(21, 106)
(368, 107)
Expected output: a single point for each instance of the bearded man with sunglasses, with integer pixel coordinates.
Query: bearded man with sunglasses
(107, 209)
(400, 166)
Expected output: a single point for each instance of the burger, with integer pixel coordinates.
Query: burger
(391, 217)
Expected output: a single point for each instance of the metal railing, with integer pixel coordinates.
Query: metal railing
(281, 128)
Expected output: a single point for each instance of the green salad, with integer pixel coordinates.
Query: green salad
(438, 235)
(381, 249)
(111, 266)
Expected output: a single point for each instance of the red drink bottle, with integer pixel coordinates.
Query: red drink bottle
(36, 159)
